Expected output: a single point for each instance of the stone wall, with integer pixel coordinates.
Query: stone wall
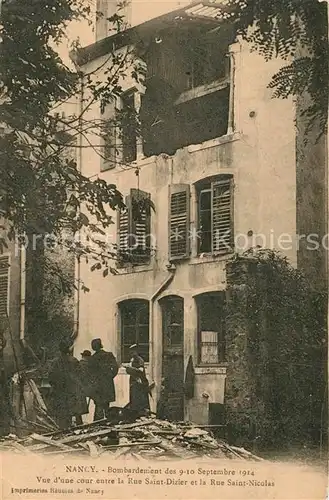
(275, 378)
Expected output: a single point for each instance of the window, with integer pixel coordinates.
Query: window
(202, 118)
(108, 137)
(215, 215)
(189, 96)
(207, 61)
(128, 127)
(179, 221)
(134, 229)
(172, 322)
(4, 285)
(134, 328)
(211, 328)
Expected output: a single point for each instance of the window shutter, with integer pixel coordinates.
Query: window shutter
(109, 137)
(134, 228)
(123, 228)
(140, 223)
(179, 221)
(4, 284)
(222, 216)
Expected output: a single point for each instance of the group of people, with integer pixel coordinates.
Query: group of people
(75, 382)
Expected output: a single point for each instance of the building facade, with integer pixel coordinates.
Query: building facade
(216, 156)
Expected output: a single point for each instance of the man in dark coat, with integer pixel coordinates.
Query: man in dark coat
(85, 371)
(138, 384)
(69, 398)
(103, 368)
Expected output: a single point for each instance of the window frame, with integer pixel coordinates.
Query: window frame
(221, 342)
(165, 303)
(207, 185)
(132, 92)
(109, 113)
(123, 308)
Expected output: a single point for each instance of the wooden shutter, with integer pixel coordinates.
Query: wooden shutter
(4, 284)
(123, 229)
(222, 216)
(109, 137)
(134, 228)
(179, 221)
(140, 217)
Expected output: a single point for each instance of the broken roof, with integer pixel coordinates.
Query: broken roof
(210, 13)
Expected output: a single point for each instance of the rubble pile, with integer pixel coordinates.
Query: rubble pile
(145, 439)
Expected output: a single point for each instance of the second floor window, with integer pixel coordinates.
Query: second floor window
(215, 215)
(134, 229)
(128, 127)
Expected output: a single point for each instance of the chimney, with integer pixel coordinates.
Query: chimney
(108, 8)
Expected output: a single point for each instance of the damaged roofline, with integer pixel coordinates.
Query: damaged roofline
(134, 34)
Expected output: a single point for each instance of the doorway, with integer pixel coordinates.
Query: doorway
(172, 308)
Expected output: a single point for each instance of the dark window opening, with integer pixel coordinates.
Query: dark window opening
(215, 215)
(128, 127)
(211, 328)
(208, 61)
(187, 89)
(168, 128)
(109, 136)
(203, 118)
(205, 220)
(134, 328)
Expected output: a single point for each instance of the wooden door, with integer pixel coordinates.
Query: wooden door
(173, 355)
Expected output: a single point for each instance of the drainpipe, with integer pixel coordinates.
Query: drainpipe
(22, 292)
(77, 271)
(171, 269)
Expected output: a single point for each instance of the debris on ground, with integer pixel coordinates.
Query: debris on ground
(145, 439)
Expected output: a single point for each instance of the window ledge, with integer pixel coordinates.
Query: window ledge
(130, 269)
(211, 370)
(224, 139)
(204, 258)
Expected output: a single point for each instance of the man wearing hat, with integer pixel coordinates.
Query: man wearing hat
(138, 383)
(69, 399)
(103, 368)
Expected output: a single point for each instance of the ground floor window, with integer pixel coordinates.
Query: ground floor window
(134, 315)
(211, 328)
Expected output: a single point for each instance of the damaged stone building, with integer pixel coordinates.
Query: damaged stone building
(218, 158)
